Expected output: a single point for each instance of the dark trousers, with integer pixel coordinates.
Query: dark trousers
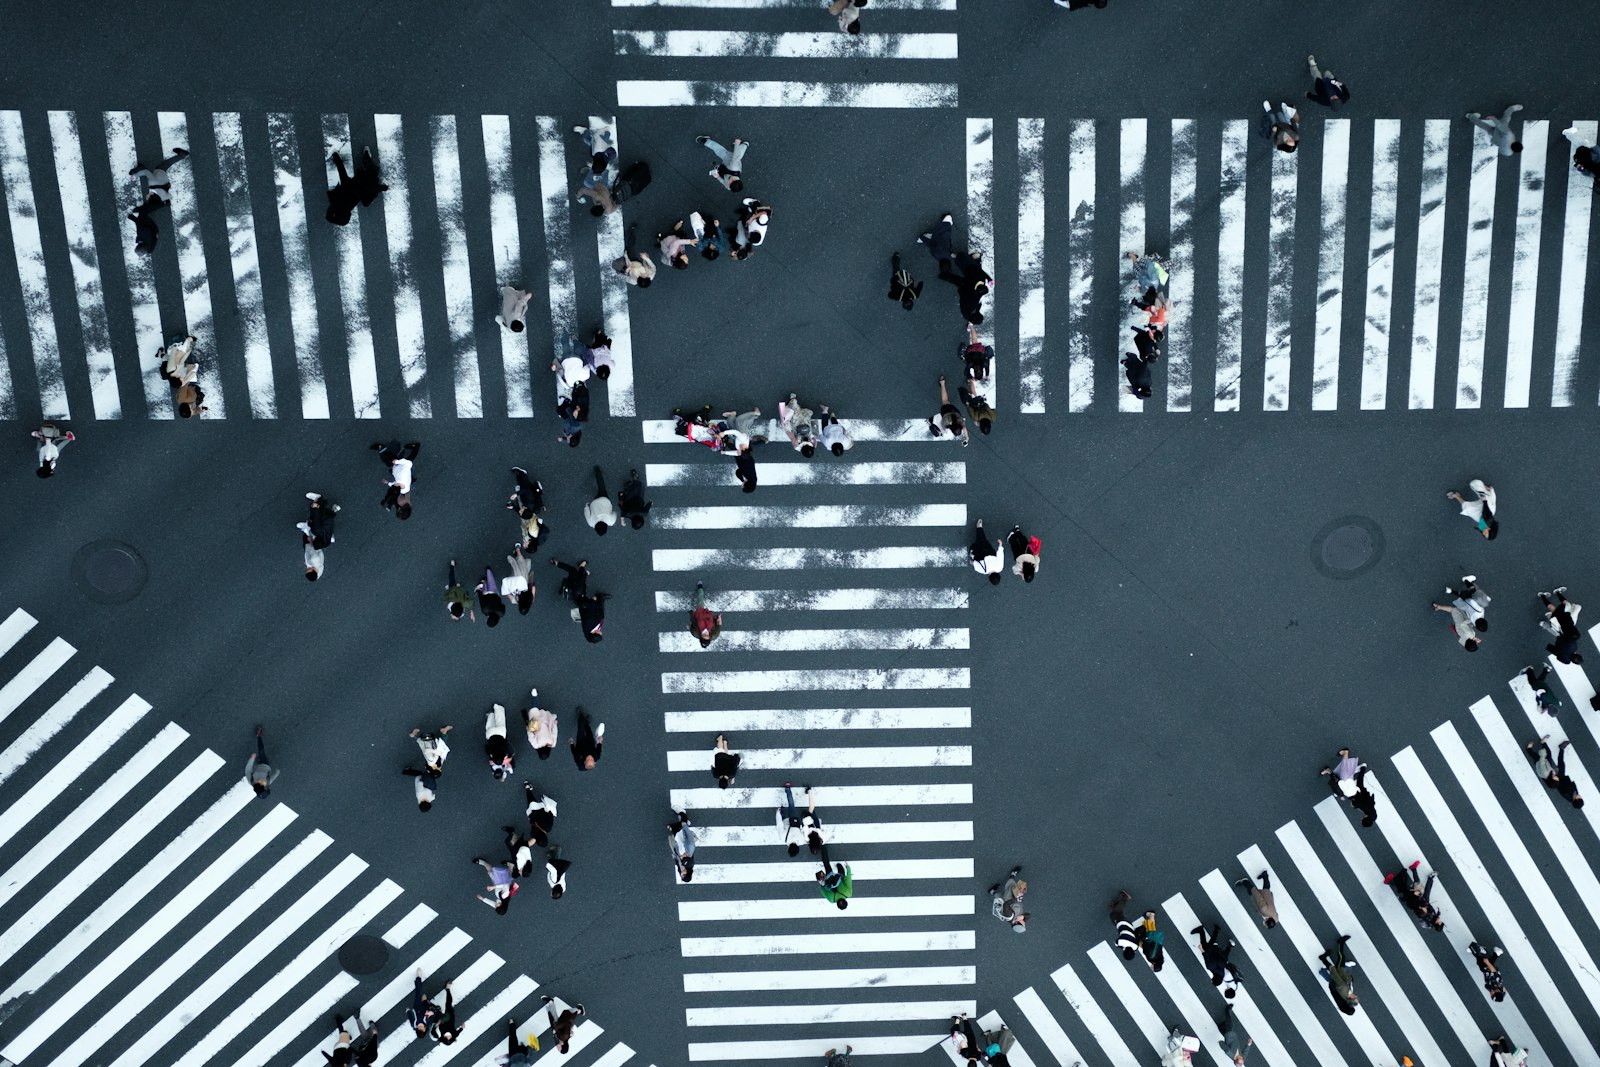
(576, 581)
(600, 483)
(261, 751)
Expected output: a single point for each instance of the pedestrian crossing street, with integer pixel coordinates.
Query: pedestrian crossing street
(772, 971)
(121, 924)
(1515, 870)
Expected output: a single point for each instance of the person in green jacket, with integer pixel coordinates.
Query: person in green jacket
(835, 884)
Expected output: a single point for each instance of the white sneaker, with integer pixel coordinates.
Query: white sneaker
(1569, 131)
(313, 496)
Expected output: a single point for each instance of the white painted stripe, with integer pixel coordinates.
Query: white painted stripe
(70, 949)
(1475, 276)
(1523, 866)
(1044, 1024)
(902, 1045)
(293, 1023)
(1525, 264)
(249, 304)
(1574, 276)
(817, 516)
(791, 1014)
(701, 44)
(612, 245)
(836, 978)
(352, 279)
(1135, 138)
(1116, 1050)
(1030, 265)
(659, 431)
(1434, 185)
(584, 1033)
(1248, 933)
(1197, 1019)
(789, 559)
(659, 475)
(779, 759)
(864, 833)
(850, 796)
(557, 210)
(398, 935)
(456, 267)
(27, 681)
(1373, 967)
(71, 830)
(1126, 992)
(787, 94)
(398, 992)
(394, 207)
(16, 626)
(792, 681)
(1380, 264)
(505, 235)
(28, 246)
(1255, 1025)
(1507, 931)
(616, 1056)
(863, 908)
(1180, 266)
(862, 870)
(1280, 281)
(851, 599)
(1081, 352)
(1330, 264)
(53, 721)
(920, 639)
(303, 315)
(1230, 263)
(267, 993)
(487, 1020)
(184, 214)
(820, 719)
(72, 179)
(900, 5)
(160, 980)
(465, 982)
(61, 775)
(147, 336)
(1549, 724)
(980, 224)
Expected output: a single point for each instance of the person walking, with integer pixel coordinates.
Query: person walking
(501, 888)
(1024, 553)
(1499, 129)
(1505, 1052)
(1214, 951)
(1136, 370)
(457, 601)
(541, 812)
(444, 1028)
(712, 243)
(834, 1058)
(1483, 509)
(594, 186)
(179, 365)
(1554, 775)
(836, 883)
(555, 872)
(518, 586)
(940, 243)
(576, 582)
(972, 283)
(1414, 894)
(1261, 897)
(590, 612)
(520, 849)
(1461, 624)
(796, 827)
(1281, 126)
(400, 459)
(674, 246)
(489, 599)
(52, 439)
(1347, 780)
(422, 1010)
(795, 420)
(533, 529)
(1543, 698)
(833, 436)
(1472, 600)
(1336, 968)
(729, 170)
(155, 184)
(561, 1026)
(754, 218)
(1128, 936)
(744, 467)
(542, 727)
(496, 745)
(425, 784)
(1585, 160)
(978, 409)
(724, 764)
(704, 623)
(1152, 943)
(1561, 620)
(597, 355)
(434, 748)
(586, 746)
(316, 534)
(902, 286)
(965, 1038)
(1486, 958)
(1005, 901)
(600, 512)
(1328, 91)
(848, 12)
(366, 1048)
(987, 559)
(1234, 1044)
(947, 423)
(636, 268)
(681, 842)
(527, 494)
(258, 770)
(361, 189)
(513, 308)
(631, 501)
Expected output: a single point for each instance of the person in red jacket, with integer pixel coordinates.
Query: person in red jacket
(704, 623)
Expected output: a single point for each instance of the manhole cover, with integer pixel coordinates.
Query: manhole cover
(1347, 547)
(364, 954)
(109, 572)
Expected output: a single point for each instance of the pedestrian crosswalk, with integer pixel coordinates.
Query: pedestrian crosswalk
(134, 951)
(1515, 869)
(840, 667)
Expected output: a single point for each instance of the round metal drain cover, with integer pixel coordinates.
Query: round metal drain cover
(364, 954)
(1347, 547)
(109, 572)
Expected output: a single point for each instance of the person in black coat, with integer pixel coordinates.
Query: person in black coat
(972, 284)
(744, 468)
(902, 286)
(939, 243)
(592, 616)
(361, 189)
(631, 501)
(1328, 91)
(1137, 371)
(586, 746)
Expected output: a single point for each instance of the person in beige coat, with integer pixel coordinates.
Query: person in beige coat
(1261, 897)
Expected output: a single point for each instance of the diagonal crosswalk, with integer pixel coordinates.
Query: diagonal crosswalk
(1515, 870)
(138, 952)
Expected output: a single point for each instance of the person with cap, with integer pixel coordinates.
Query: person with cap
(258, 771)
(902, 286)
(1499, 129)
(1554, 776)
(1328, 91)
(987, 559)
(1483, 509)
(724, 764)
(744, 467)
(542, 727)
(705, 624)
(1561, 621)
(495, 744)
(541, 813)
(681, 842)
(586, 746)
(513, 308)
(600, 512)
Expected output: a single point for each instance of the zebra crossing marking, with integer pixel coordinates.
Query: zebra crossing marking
(789, 908)
(1180, 266)
(395, 206)
(1116, 1050)
(710, 43)
(72, 181)
(1045, 1025)
(516, 355)
(660, 475)
(1432, 194)
(453, 261)
(1283, 187)
(868, 870)
(1330, 257)
(1574, 276)
(1381, 248)
(1230, 263)
(1475, 277)
(898, 1045)
(905, 5)
(819, 516)
(245, 262)
(1126, 993)
(354, 312)
(1080, 259)
(1030, 265)
(863, 833)
(828, 944)
(828, 978)
(1134, 139)
(793, 681)
(916, 598)
(791, 1014)
(1525, 264)
(26, 682)
(184, 211)
(787, 94)
(848, 796)
(809, 719)
(799, 759)
(28, 248)
(921, 639)
(787, 559)
(53, 721)
(304, 313)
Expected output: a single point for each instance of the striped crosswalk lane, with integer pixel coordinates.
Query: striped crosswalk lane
(227, 912)
(898, 811)
(1514, 867)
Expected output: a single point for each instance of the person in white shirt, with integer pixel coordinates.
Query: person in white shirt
(513, 308)
(52, 439)
(518, 586)
(398, 458)
(833, 436)
(434, 749)
(986, 558)
(597, 355)
(601, 512)
(570, 373)
(178, 365)
(754, 219)
(1483, 511)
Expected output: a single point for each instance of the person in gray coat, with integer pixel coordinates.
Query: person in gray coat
(257, 770)
(1235, 1045)
(1499, 129)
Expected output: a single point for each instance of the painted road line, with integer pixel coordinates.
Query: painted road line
(1030, 265)
(302, 1017)
(409, 926)
(833, 978)
(1433, 188)
(28, 246)
(849, 796)
(818, 516)
(1081, 351)
(1134, 143)
(803, 681)
(505, 236)
(828, 944)
(789, 559)
(138, 268)
(1183, 917)
(1230, 263)
(398, 992)
(917, 95)
(820, 719)
(902, 1045)
(16, 626)
(184, 213)
(1197, 1019)
(27, 681)
(1475, 275)
(1116, 1050)
(1380, 264)
(791, 1014)
(559, 275)
(1574, 277)
(865, 833)
(900, 5)
(243, 257)
(861, 908)
(980, 225)
(609, 238)
(582, 1036)
(352, 281)
(72, 180)
(1330, 264)
(616, 1056)
(918, 639)
(865, 870)
(713, 43)
(395, 209)
(456, 266)
(1280, 282)
(1525, 264)
(1508, 932)
(853, 599)
(53, 721)
(659, 431)
(1180, 266)
(61, 775)
(1044, 1024)
(777, 759)
(303, 314)
(1126, 993)
(658, 475)
(466, 981)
